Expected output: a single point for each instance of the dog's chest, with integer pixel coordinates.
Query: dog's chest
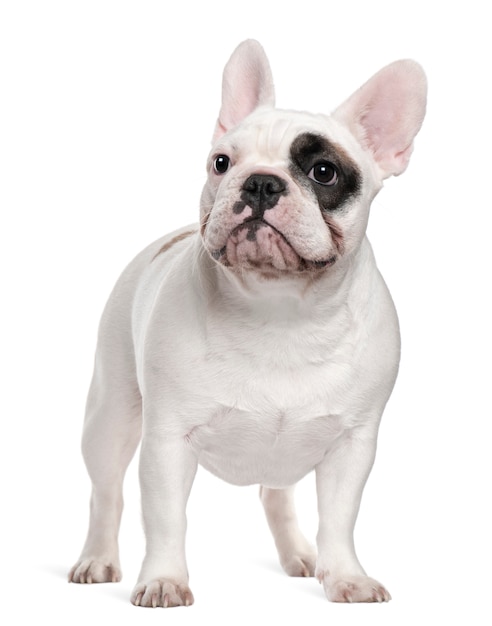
(274, 449)
(277, 407)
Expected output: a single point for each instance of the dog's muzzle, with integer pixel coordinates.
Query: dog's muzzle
(261, 192)
(256, 243)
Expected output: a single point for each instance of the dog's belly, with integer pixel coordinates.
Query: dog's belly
(274, 450)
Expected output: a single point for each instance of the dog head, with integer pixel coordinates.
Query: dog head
(288, 193)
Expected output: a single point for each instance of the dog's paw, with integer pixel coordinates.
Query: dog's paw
(301, 565)
(93, 571)
(162, 592)
(355, 589)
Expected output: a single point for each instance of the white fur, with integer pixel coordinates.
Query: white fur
(259, 375)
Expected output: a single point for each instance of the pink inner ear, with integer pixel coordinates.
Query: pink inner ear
(387, 132)
(247, 84)
(240, 98)
(386, 113)
(220, 130)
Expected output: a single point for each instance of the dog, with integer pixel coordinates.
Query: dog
(261, 343)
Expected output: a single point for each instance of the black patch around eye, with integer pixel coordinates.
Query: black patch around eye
(309, 149)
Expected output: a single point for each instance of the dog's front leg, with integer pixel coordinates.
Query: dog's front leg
(167, 470)
(340, 480)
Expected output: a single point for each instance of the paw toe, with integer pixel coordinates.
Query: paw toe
(300, 566)
(162, 593)
(91, 571)
(356, 589)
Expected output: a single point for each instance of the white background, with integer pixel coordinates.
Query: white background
(106, 115)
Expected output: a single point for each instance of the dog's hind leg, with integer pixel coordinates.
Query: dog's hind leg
(297, 556)
(112, 431)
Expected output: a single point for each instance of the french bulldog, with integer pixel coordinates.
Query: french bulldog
(261, 343)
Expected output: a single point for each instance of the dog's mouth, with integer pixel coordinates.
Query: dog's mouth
(256, 244)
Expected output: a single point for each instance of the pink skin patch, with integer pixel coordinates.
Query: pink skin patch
(257, 244)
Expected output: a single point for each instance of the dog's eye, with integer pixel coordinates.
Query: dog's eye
(324, 173)
(221, 164)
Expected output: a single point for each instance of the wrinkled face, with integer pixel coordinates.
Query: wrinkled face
(287, 193)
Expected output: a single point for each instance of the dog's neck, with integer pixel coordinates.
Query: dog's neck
(289, 296)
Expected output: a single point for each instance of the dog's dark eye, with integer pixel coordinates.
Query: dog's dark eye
(324, 173)
(221, 164)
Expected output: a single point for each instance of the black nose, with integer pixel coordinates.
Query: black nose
(262, 192)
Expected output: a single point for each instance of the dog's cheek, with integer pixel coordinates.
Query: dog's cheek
(348, 228)
(214, 190)
(336, 233)
(206, 205)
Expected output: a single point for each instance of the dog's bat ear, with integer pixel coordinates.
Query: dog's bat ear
(247, 84)
(386, 113)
